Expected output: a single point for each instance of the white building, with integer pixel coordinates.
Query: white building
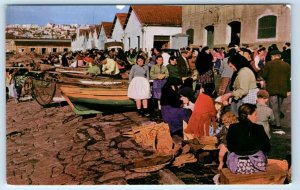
(152, 26)
(118, 27)
(79, 42)
(105, 34)
(92, 40)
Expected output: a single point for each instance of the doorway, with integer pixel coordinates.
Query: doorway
(235, 32)
(210, 36)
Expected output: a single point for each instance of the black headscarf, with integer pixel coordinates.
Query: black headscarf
(204, 61)
(170, 96)
(239, 62)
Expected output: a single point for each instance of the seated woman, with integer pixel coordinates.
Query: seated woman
(93, 69)
(204, 113)
(186, 90)
(247, 143)
(172, 104)
(109, 66)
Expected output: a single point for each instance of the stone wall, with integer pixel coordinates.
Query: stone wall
(197, 17)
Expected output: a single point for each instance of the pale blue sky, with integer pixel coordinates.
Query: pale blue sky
(61, 14)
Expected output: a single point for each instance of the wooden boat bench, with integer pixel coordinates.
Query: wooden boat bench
(276, 174)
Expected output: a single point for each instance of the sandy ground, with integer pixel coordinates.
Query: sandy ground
(54, 146)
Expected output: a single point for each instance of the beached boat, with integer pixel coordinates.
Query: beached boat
(105, 97)
(85, 96)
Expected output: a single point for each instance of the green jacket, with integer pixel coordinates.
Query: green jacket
(158, 69)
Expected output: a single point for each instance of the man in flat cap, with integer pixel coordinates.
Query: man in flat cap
(277, 75)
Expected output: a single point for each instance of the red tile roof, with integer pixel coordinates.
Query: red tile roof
(122, 18)
(107, 26)
(84, 32)
(157, 15)
(98, 28)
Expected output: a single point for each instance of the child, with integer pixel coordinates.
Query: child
(264, 113)
(227, 119)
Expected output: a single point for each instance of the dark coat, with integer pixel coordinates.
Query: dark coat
(277, 75)
(246, 138)
(286, 56)
(182, 67)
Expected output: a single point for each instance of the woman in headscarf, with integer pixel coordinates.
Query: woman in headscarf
(244, 84)
(204, 66)
(172, 106)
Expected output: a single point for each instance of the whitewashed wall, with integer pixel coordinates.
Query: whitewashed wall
(78, 43)
(118, 32)
(132, 30)
(95, 39)
(89, 41)
(151, 31)
(102, 38)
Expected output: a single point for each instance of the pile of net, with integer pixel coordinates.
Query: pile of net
(158, 138)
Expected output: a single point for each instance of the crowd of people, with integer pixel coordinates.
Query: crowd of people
(253, 86)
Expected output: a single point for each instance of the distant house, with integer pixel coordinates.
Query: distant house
(118, 27)
(92, 41)
(80, 41)
(105, 34)
(40, 46)
(149, 26)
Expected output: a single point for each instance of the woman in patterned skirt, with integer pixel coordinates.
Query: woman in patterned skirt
(247, 143)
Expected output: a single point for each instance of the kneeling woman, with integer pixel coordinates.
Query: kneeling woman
(172, 106)
(247, 143)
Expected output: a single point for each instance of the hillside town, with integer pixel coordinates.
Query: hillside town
(193, 94)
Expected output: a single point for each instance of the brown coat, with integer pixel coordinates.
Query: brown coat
(277, 75)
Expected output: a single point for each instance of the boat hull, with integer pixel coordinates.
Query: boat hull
(85, 100)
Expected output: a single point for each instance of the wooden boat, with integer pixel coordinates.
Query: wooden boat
(108, 97)
(86, 95)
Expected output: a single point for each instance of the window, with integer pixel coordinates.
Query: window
(190, 33)
(138, 40)
(54, 50)
(267, 27)
(32, 49)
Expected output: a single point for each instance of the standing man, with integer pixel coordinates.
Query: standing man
(277, 75)
(183, 65)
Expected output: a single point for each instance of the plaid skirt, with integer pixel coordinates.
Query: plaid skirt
(251, 96)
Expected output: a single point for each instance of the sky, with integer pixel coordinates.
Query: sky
(62, 14)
